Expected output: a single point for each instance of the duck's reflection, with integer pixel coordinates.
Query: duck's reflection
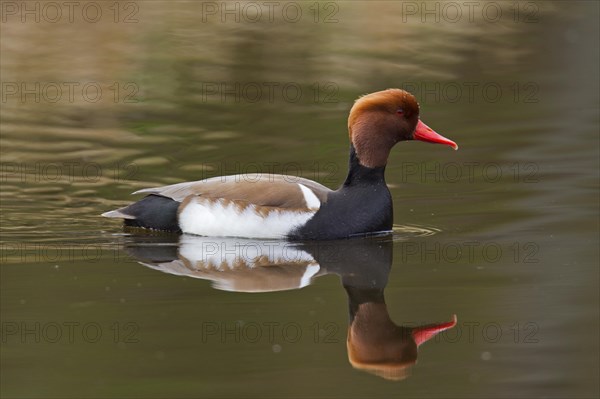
(375, 343)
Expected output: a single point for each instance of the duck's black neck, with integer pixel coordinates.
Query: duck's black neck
(357, 296)
(359, 174)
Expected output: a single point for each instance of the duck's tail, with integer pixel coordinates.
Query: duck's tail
(151, 212)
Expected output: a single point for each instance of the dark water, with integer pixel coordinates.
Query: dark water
(502, 233)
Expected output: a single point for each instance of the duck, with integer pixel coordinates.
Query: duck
(273, 206)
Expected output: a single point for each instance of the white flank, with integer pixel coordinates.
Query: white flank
(207, 217)
(312, 202)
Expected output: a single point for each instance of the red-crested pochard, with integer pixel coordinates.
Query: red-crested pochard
(279, 206)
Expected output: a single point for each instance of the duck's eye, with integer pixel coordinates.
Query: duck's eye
(400, 111)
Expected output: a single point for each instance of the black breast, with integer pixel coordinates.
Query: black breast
(362, 205)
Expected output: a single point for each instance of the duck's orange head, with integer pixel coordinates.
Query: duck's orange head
(379, 120)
